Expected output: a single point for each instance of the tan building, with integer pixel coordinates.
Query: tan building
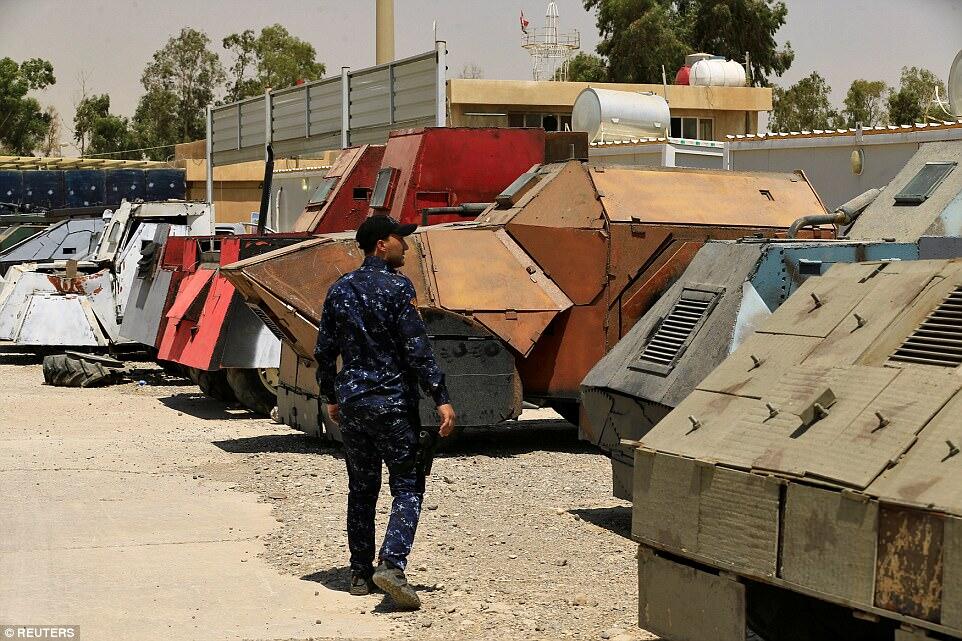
(237, 187)
(697, 112)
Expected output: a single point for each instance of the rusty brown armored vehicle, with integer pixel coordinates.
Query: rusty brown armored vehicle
(523, 301)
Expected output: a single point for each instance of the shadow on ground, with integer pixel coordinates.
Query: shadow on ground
(339, 579)
(201, 406)
(616, 519)
(21, 359)
(292, 443)
(511, 439)
(155, 377)
(517, 437)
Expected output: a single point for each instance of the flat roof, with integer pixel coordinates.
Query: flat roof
(480, 91)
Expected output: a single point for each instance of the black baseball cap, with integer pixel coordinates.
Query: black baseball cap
(379, 227)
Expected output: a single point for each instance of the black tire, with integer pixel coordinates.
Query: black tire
(63, 370)
(251, 391)
(214, 384)
(174, 369)
(778, 614)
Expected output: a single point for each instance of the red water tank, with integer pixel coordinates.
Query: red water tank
(681, 78)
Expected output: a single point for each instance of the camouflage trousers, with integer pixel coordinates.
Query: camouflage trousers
(371, 437)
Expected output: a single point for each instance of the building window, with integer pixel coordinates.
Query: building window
(706, 129)
(693, 128)
(547, 121)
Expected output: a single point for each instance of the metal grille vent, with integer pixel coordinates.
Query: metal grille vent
(938, 340)
(271, 325)
(669, 341)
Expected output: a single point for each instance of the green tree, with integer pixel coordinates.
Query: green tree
(917, 88)
(179, 83)
(586, 67)
(23, 123)
(803, 106)
(155, 124)
(731, 28)
(99, 132)
(274, 59)
(89, 109)
(639, 36)
(865, 104)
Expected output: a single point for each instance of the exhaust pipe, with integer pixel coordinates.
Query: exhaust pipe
(266, 191)
(844, 215)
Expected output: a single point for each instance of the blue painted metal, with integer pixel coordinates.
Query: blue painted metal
(83, 188)
(784, 267)
(43, 189)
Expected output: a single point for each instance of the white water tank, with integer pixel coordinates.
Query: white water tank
(619, 115)
(717, 72)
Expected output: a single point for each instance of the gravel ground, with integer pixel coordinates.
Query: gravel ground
(520, 537)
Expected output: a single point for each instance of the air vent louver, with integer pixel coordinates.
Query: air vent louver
(671, 338)
(938, 340)
(271, 325)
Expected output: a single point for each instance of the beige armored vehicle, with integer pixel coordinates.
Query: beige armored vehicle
(811, 485)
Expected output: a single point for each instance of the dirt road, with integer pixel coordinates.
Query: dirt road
(149, 511)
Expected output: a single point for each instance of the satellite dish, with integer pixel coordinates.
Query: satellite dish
(955, 86)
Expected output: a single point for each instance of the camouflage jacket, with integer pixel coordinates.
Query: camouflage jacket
(371, 322)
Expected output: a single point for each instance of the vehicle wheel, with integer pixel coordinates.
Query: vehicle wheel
(251, 387)
(777, 614)
(63, 370)
(214, 384)
(174, 369)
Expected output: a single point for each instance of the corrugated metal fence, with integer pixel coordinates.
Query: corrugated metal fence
(356, 108)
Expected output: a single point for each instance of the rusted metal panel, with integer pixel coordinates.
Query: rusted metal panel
(683, 603)
(567, 199)
(573, 258)
(829, 542)
(909, 566)
(704, 197)
(297, 327)
(631, 248)
(567, 349)
(283, 272)
(952, 573)
(640, 296)
(521, 330)
(508, 281)
(354, 169)
(738, 519)
(744, 375)
(821, 304)
(666, 495)
(928, 474)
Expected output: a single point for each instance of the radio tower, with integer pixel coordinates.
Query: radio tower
(550, 50)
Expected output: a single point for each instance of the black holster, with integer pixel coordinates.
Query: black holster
(428, 439)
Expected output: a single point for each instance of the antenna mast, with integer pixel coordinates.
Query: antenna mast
(550, 49)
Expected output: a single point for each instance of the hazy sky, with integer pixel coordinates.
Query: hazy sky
(110, 41)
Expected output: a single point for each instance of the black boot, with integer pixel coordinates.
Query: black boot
(361, 583)
(395, 585)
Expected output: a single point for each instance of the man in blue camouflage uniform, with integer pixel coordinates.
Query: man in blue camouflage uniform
(370, 320)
